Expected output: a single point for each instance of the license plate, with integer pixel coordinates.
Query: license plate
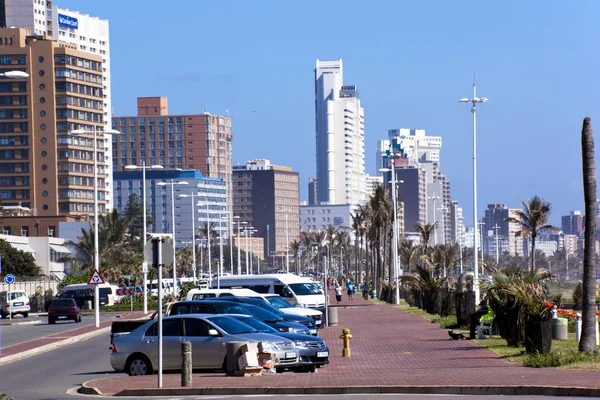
(62, 317)
(318, 322)
(17, 304)
(323, 354)
(290, 354)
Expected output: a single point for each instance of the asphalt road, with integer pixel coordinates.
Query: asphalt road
(14, 334)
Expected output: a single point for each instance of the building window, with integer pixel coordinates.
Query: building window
(42, 113)
(45, 193)
(43, 127)
(41, 59)
(41, 72)
(44, 167)
(45, 207)
(43, 140)
(42, 99)
(44, 154)
(44, 180)
(25, 231)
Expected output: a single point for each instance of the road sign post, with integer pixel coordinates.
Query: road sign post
(9, 279)
(157, 250)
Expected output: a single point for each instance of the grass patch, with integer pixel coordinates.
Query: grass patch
(564, 355)
(448, 322)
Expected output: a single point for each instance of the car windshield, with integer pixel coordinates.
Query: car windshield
(264, 315)
(231, 326)
(256, 324)
(304, 289)
(231, 309)
(267, 306)
(16, 295)
(279, 302)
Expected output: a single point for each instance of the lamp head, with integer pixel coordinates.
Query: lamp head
(464, 100)
(131, 167)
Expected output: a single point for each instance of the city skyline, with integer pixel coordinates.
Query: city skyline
(529, 59)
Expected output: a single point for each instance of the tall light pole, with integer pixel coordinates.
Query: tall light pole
(247, 248)
(481, 224)
(443, 210)
(395, 222)
(172, 183)
(208, 245)
(287, 244)
(220, 271)
(80, 132)
(193, 232)
(434, 198)
(474, 102)
(231, 233)
(145, 264)
(496, 227)
(239, 246)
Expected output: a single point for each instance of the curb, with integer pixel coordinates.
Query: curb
(455, 390)
(52, 346)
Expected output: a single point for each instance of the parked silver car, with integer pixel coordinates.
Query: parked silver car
(313, 350)
(136, 353)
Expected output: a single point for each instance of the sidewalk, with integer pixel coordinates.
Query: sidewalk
(26, 349)
(392, 352)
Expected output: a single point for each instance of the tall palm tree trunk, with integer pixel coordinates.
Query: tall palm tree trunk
(588, 331)
(533, 252)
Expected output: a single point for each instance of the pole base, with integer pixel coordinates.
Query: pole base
(346, 353)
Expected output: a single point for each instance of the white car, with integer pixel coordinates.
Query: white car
(17, 304)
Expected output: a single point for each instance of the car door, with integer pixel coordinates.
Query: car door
(171, 343)
(207, 351)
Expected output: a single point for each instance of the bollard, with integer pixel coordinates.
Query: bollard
(186, 363)
(559, 329)
(346, 336)
(578, 326)
(88, 305)
(332, 316)
(597, 337)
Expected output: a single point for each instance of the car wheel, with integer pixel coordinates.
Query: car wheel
(51, 321)
(138, 364)
(25, 315)
(306, 369)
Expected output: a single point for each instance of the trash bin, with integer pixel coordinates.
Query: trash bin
(233, 353)
(559, 329)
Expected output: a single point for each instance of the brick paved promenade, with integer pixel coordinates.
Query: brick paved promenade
(390, 348)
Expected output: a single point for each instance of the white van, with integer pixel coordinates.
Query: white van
(297, 290)
(199, 294)
(107, 292)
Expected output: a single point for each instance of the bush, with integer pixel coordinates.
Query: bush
(559, 358)
(3, 396)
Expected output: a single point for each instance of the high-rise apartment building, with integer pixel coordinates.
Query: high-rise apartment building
(42, 167)
(515, 243)
(88, 34)
(209, 198)
(185, 141)
(312, 191)
(413, 194)
(458, 230)
(267, 198)
(339, 136)
(572, 224)
(372, 182)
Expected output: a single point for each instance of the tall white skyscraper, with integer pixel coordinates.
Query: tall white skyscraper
(340, 137)
(89, 34)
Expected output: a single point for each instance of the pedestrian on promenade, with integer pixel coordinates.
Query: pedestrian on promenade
(365, 290)
(338, 294)
(328, 283)
(350, 287)
(475, 317)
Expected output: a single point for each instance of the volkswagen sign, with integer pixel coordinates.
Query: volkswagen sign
(65, 20)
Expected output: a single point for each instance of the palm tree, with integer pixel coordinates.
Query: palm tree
(408, 251)
(426, 232)
(532, 220)
(295, 249)
(589, 324)
(358, 225)
(449, 253)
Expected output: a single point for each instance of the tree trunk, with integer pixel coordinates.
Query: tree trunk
(533, 252)
(588, 320)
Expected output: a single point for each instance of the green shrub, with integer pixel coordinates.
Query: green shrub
(449, 321)
(559, 358)
(4, 396)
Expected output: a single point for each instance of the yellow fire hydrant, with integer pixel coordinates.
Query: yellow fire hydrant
(346, 336)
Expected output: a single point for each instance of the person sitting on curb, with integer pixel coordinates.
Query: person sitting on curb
(475, 317)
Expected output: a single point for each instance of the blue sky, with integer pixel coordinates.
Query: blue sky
(537, 62)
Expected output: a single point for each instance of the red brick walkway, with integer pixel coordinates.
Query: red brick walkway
(389, 348)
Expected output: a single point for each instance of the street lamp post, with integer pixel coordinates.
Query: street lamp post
(248, 228)
(474, 102)
(172, 184)
(145, 264)
(239, 246)
(496, 227)
(434, 198)
(220, 271)
(395, 222)
(79, 132)
(287, 241)
(193, 233)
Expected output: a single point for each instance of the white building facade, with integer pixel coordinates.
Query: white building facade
(90, 34)
(340, 140)
(317, 218)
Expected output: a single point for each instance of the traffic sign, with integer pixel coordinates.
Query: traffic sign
(125, 292)
(166, 250)
(95, 279)
(9, 279)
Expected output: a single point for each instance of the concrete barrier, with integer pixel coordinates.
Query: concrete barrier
(559, 329)
(332, 316)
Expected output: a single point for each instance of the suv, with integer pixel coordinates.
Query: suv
(17, 304)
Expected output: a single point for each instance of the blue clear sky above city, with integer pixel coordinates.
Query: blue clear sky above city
(537, 62)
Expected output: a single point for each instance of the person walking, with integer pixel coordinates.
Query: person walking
(338, 294)
(328, 283)
(365, 290)
(350, 287)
